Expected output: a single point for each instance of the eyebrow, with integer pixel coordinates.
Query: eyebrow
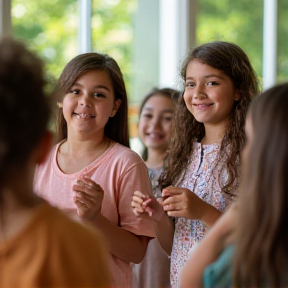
(96, 86)
(164, 111)
(209, 76)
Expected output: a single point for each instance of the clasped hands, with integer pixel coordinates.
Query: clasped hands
(176, 202)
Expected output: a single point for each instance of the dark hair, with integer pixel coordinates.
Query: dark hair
(166, 92)
(24, 107)
(232, 60)
(261, 257)
(117, 126)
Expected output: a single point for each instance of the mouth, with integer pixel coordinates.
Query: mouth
(84, 115)
(203, 105)
(154, 135)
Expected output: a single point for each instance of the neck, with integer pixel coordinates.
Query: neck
(213, 134)
(155, 158)
(76, 147)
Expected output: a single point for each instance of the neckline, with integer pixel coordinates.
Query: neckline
(84, 170)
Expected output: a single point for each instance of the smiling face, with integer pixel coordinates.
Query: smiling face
(209, 94)
(155, 122)
(89, 103)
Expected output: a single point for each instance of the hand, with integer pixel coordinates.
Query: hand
(88, 197)
(182, 202)
(144, 206)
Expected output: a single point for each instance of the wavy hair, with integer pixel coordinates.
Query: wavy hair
(231, 60)
(261, 257)
(117, 126)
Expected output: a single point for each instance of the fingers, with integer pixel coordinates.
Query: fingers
(88, 186)
(171, 191)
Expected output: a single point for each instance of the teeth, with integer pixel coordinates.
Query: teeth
(84, 115)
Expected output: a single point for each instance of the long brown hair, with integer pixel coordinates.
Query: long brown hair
(232, 60)
(117, 126)
(261, 257)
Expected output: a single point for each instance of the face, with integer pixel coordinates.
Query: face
(209, 93)
(249, 139)
(89, 103)
(155, 122)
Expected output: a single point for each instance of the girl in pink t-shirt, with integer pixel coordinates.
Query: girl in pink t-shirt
(201, 172)
(91, 173)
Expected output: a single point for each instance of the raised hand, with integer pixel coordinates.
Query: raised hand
(88, 197)
(182, 202)
(144, 206)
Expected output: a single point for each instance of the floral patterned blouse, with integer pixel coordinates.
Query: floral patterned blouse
(203, 177)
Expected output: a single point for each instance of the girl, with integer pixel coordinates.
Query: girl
(92, 172)
(202, 169)
(156, 113)
(39, 245)
(258, 223)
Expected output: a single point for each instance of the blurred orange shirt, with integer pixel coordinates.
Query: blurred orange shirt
(56, 252)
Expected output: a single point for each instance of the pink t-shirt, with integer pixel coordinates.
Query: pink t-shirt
(120, 172)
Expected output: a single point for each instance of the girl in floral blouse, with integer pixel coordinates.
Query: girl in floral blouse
(201, 173)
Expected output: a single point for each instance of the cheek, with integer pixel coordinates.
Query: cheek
(142, 127)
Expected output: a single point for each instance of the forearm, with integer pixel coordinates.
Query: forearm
(210, 215)
(164, 229)
(122, 243)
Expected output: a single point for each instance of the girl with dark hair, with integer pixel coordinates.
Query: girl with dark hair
(91, 172)
(256, 226)
(201, 172)
(156, 116)
(39, 245)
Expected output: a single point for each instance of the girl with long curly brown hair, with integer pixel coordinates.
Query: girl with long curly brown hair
(202, 167)
(256, 226)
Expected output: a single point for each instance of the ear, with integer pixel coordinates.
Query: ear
(237, 95)
(44, 147)
(60, 105)
(116, 106)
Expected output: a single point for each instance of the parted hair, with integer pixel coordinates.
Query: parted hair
(261, 258)
(231, 60)
(24, 106)
(117, 126)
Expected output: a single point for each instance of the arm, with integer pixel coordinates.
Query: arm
(121, 243)
(144, 206)
(208, 250)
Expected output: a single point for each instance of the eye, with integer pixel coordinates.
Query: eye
(167, 118)
(98, 95)
(74, 91)
(212, 83)
(190, 84)
(147, 115)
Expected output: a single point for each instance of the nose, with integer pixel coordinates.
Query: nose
(85, 101)
(156, 122)
(199, 92)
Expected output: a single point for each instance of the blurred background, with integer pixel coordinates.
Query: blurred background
(149, 38)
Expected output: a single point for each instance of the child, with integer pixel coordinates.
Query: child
(91, 172)
(258, 223)
(39, 245)
(202, 167)
(156, 114)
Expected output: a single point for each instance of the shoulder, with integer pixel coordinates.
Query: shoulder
(122, 154)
